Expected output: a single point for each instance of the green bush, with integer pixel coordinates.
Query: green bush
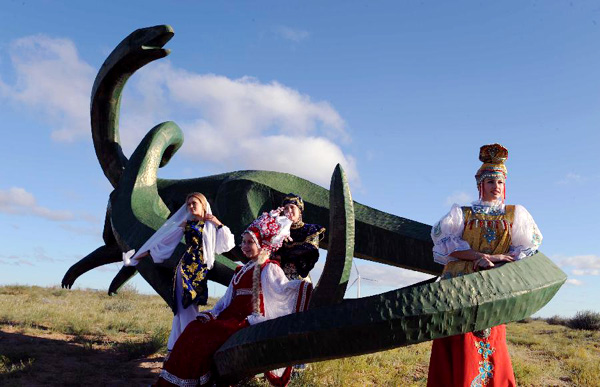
(526, 320)
(587, 320)
(557, 320)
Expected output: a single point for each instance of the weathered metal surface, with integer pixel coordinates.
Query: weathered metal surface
(336, 273)
(393, 319)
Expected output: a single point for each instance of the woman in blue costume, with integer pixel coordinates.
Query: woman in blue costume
(478, 237)
(204, 236)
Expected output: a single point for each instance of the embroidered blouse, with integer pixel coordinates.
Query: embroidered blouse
(447, 234)
(280, 296)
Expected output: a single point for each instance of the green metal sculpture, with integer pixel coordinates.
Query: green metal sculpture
(140, 203)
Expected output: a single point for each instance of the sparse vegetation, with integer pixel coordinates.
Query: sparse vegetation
(557, 320)
(586, 320)
(52, 336)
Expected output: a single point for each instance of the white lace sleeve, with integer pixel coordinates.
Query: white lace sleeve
(225, 240)
(447, 236)
(526, 238)
(281, 296)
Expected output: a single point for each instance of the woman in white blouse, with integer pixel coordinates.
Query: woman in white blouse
(477, 237)
(205, 236)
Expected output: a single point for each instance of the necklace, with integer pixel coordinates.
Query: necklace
(238, 277)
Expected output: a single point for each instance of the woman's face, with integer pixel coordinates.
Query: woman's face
(493, 189)
(292, 212)
(249, 247)
(194, 207)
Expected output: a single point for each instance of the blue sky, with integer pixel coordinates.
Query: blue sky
(403, 94)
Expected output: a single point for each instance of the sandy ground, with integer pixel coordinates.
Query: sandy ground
(58, 359)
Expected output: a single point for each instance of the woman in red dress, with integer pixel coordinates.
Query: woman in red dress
(472, 238)
(257, 292)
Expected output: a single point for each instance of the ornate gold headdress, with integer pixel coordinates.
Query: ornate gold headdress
(493, 157)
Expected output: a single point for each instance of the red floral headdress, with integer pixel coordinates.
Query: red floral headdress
(269, 230)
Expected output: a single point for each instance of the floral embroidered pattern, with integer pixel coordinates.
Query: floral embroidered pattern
(437, 230)
(169, 377)
(193, 269)
(490, 235)
(486, 367)
(488, 210)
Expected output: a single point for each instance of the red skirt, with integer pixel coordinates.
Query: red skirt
(191, 359)
(471, 360)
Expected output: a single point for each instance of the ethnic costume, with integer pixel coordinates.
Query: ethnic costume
(299, 255)
(203, 240)
(478, 358)
(257, 292)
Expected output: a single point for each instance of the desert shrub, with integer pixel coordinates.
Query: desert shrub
(586, 319)
(526, 320)
(119, 306)
(14, 363)
(556, 320)
(137, 349)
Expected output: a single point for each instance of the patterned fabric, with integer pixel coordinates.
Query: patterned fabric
(486, 367)
(184, 382)
(192, 355)
(481, 358)
(269, 230)
(299, 256)
(488, 232)
(493, 157)
(193, 268)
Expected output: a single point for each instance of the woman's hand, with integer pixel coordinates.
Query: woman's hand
(276, 212)
(500, 258)
(212, 218)
(204, 317)
(147, 253)
(484, 263)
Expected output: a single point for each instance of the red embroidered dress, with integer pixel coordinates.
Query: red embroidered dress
(190, 361)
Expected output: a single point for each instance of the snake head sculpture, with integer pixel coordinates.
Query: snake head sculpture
(140, 203)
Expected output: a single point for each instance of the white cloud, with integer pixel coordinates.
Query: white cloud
(574, 282)
(14, 260)
(52, 80)
(95, 232)
(228, 123)
(293, 34)
(572, 178)
(585, 272)
(582, 264)
(459, 197)
(17, 200)
(245, 124)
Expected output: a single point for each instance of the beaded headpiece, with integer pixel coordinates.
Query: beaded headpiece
(269, 230)
(493, 157)
(294, 199)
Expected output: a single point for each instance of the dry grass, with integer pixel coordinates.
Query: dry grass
(51, 336)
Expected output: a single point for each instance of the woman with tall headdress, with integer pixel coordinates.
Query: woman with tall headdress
(477, 237)
(300, 253)
(257, 292)
(205, 236)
